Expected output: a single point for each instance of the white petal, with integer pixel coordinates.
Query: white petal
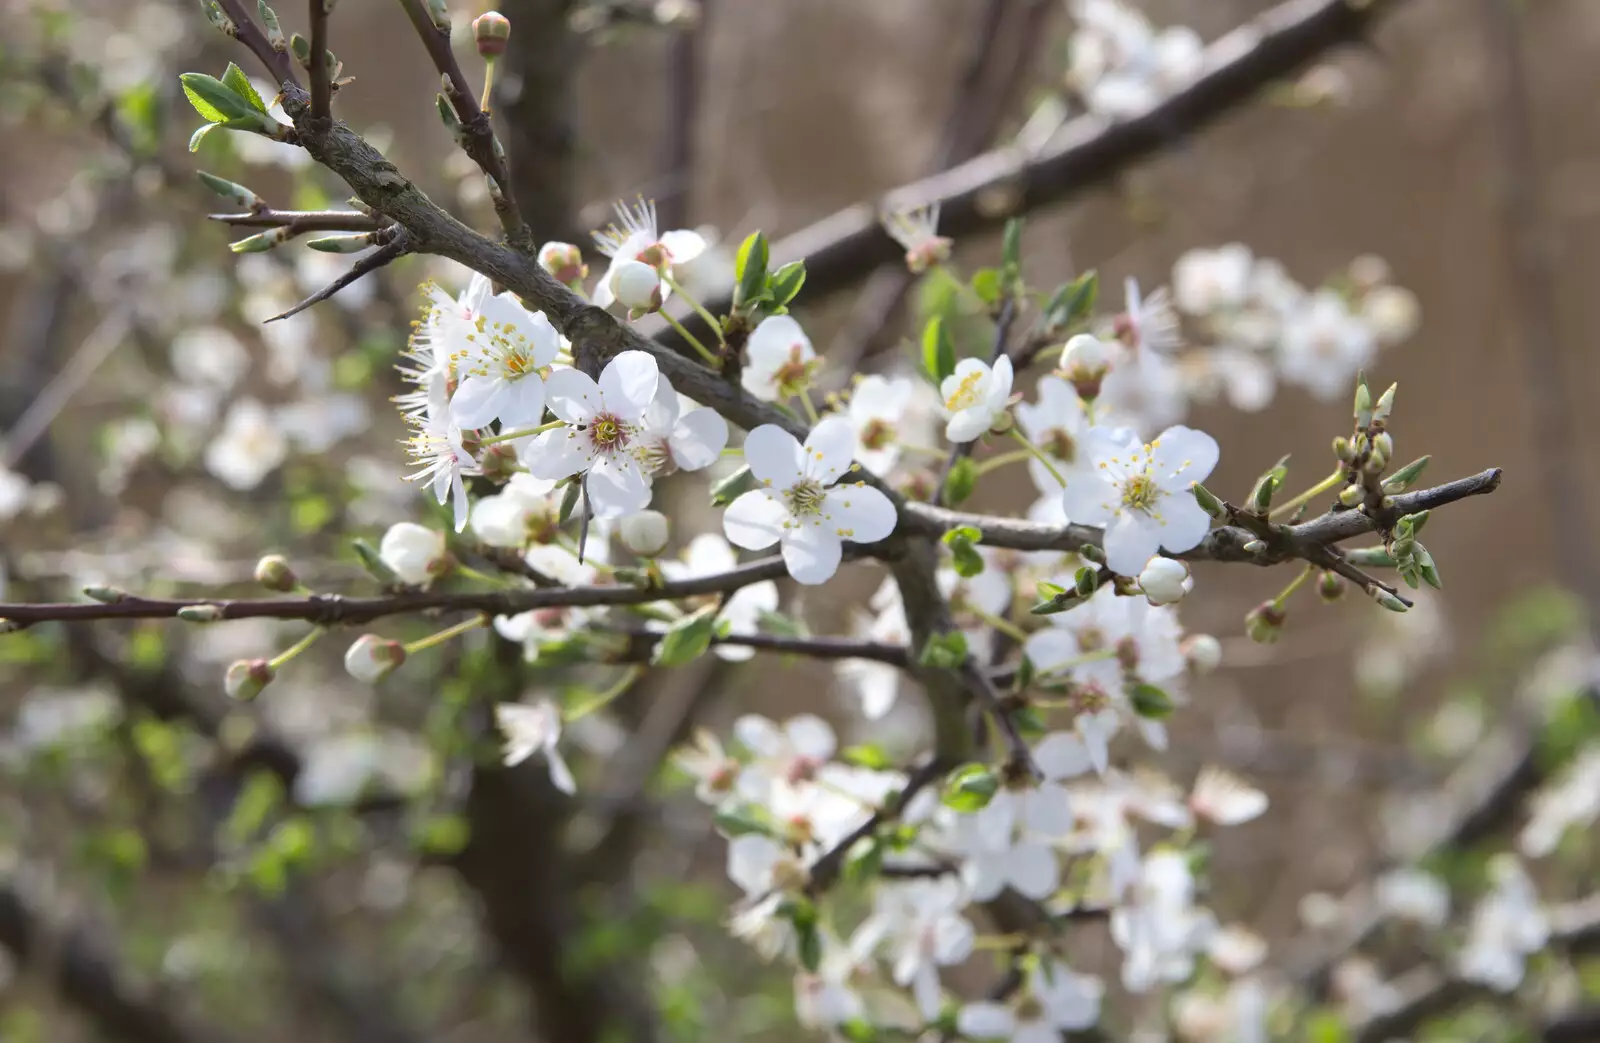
(986, 1021)
(662, 416)
(1051, 647)
(755, 521)
(560, 774)
(968, 424)
(1034, 871)
(1131, 540)
(698, 439)
(628, 384)
(1186, 522)
(774, 456)
(683, 246)
(572, 396)
(829, 450)
(810, 736)
(1182, 455)
(616, 487)
(859, 513)
(476, 402)
(557, 454)
(773, 340)
(523, 402)
(759, 734)
(1047, 810)
(811, 553)
(459, 505)
(1000, 384)
(953, 939)
(1087, 498)
(1061, 755)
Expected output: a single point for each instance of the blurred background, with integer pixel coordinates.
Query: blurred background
(175, 867)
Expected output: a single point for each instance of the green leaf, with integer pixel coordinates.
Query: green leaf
(442, 834)
(740, 822)
(938, 350)
(988, 285)
(734, 486)
(946, 651)
(687, 639)
(783, 625)
(750, 269)
(569, 500)
(1072, 302)
(786, 282)
(867, 755)
(963, 478)
(214, 100)
(963, 552)
(809, 944)
(859, 1030)
(970, 788)
(370, 560)
(865, 863)
(235, 80)
(235, 194)
(1150, 701)
(1011, 255)
(200, 135)
(1086, 580)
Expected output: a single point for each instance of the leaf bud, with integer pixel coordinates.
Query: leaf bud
(274, 573)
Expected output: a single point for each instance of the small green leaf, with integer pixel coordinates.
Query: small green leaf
(734, 486)
(963, 552)
(235, 80)
(1150, 701)
(740, 822)
(235, 194)
(1011, 256)
(1071, 303)
(970, 788)
(1086, 580)
(946, 651)
(214, 100)
(687, 639)
(1209, 502)
(963, 478)
(352, 243)
(569, 500)
(442, 834)
(786, 282)
(367, 554)
(809, 945)
(200, 135)
(750, 269)
(783, 625)
(865, 863)
(938, 350)
(988, 285)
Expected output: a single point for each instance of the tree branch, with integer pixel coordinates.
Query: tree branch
(301, 221)
(278, 63)
(392, 245)
(321, 75)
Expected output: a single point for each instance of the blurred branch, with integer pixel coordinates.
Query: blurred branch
(684, 59)
(392, 244)
(542, 58)
(299, 222)
(321, 75)
(1086, 152)
(85, 972)
(1531, 286)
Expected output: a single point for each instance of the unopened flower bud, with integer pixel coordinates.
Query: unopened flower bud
(1002, 422)
(1265, 622)
(644, 533)
(1165, 581)
(1343, 450)
(1330, 587)
(372, 658)
(1383, 442)
(1202, 652)
(247, 677)
(1369, 271)
(415, 553)
(274, 573)
(490, 31)
(499, 461)
(105, 595)
(636, 286)
(563, 261)
(200, 613)
(1351, 495)
(1084, 362)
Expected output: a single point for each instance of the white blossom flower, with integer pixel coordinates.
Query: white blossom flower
(789, 753)
(497, 363)
(765, 871)
(1415, 895)
(708, 555)
(921, 923)
(974, 397)
(645, 533)
(1324, 345)
(715, 772)
(1055, 423)
(677, 435)
(1058, 1000)
(525, 509)
(877, 406)
(1391, 312)
(1161, 929)
(636, 286)
(779, 360)
(1150, 323)
(1141, 493)
(917, 229)
(634, 238)
(1206, 281)
(1085, 361)
(798, 504)
(1165, 580)
(1571, 799)
(413, 552)
(1224, 798)
(599, 432)
(531, 729)
(436, 445)
(1145, 390)
(877, 685)
(250, 446)
(1507, 926)
(209, 355)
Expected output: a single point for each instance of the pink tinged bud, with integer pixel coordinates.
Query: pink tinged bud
(372, 658)
(1264, 623)
(499, 461)
(1202, 652)
(563, 261)
(491, 30)
(414, 553)
(1164, 581)
(637, 286)
(247, 677)
(274, 573)
(645, 533)
(1084, 362)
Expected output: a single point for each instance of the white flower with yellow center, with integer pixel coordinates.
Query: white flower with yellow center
(799, 506)
(974, 396)
(779, 360)
(599, 432)
(1140, 494)
(497, 365)
(634, 238)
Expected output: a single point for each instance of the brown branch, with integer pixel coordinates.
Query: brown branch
(477, 135)
(299, 222)
(278, 63)
(321, 75)
(392, 245)
(682, 118)
(825, 870)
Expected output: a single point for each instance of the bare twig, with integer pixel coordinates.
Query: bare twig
(825, 870)
(321, 75)
(245, 30)
(391, 245)
(299, 222)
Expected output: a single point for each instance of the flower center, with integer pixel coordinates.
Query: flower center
(877, 434)
(1088, 698)
(967, 393)
(607, 432)
(655, 255)
(802, 769)
(1029, 1010)
(794, 375)
(1140, 493)
(805, 497)
(1059, 444)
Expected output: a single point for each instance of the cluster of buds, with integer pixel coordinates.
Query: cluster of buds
(1410, 556)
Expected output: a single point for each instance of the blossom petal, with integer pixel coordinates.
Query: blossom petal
(810, 736)
(830, 448)
(572, 395)
(755, 521)
(812, 553)
(1051, 647)
(968, 425)
(698, 439)
(1185, 522)
(557, 454)
(560, 774)
(1181, 455)
(683, 246)
(616, 487)
(1131, 541)
(1061, 755)
(628, 384)
(774, 456)
(986, 1021)
(1088, 498)
(770, 344)
(1034, 871)
(477, 402)
(859, 513)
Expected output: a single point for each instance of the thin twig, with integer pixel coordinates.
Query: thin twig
(387, 253)
(245, 30)
(320, 73)
(301, 221)
(825, 870)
